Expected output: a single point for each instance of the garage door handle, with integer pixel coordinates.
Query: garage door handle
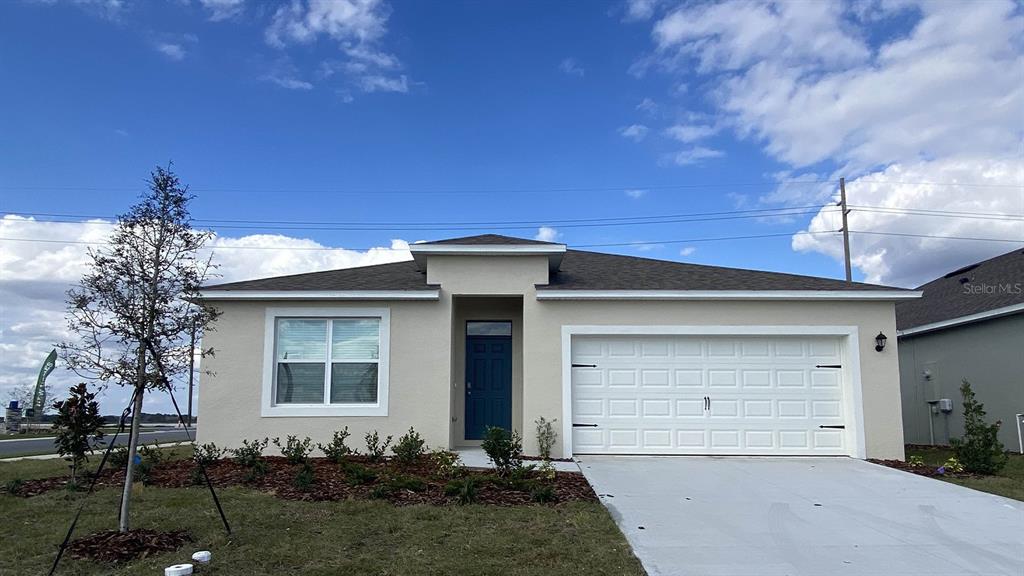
(839, 427)
(828, 366)
(575, 425)
(584, 365)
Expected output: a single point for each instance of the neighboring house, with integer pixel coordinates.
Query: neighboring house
(969, 324)
(630, 355)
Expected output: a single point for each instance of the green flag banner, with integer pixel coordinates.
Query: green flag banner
(39, 397)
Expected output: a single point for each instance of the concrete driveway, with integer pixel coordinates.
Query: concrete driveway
(735, 516)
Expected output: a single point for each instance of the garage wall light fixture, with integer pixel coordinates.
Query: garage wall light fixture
(880, 342)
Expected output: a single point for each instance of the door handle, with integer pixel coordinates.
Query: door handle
(707, 403)
(575, 425)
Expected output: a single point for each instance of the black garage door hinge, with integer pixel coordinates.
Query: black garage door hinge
(584, 365)
(838, 426)
(828, 366)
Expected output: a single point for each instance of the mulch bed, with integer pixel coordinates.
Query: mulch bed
(112, 546)
(333, 482)
(921, 469)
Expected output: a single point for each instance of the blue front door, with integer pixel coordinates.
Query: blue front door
(488, 384)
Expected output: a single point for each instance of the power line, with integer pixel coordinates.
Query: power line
(941, 213)
(936, 237)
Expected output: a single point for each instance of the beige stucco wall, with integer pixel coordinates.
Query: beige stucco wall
(427, 361)
(229, 400)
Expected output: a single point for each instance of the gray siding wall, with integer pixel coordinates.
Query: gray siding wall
(989, 354)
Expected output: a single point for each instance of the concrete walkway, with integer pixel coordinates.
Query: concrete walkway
(477, 458)
(718, 516)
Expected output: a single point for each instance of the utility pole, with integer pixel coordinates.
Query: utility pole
(191, 372)
(846, 228)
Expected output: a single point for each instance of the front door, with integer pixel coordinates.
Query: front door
(488, 377)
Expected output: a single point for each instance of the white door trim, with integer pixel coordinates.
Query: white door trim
(850, 360)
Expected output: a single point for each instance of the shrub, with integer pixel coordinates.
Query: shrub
(504, 448)
(980, 450)
(13, 485)
(401, 482)
(77, 425)
(250, 457)
(148, 458)
(915, 461)
(547, 470)
(447, 463)
(546, 436)
(409, 448)
(202, 456)
(544, 493)
(294, 450)
(336, 450)
(463, 490)
(951, 465)
(305, 478)
(520, 479)
(358, 474)
(376, 449)
(381, 491)
(119, 457)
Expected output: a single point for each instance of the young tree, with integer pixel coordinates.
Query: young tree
(980, 450)
(134, 309)
(77, 425)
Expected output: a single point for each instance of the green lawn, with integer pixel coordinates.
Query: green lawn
(1009, 482)
(274, 536)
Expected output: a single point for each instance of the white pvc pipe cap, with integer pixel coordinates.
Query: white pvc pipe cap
(202, 557)
(178, 570)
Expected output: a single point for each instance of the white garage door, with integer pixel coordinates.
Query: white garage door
(708, 395)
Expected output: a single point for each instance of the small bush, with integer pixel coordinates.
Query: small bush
(980, 450)
(520, 479)
(915, 461)
(381, 491)
(77, 426)
(546, 436)
(13, 485)
(447, 463)
(118, 457)
(203, 456)
(504, 448)
(546, 470)
(305, 478)
(411, 483)
(544, 493)
(336, 450)
(250, 457)
(358, 474)
(409, 448)
(294, 450)
(149, 457)
(375, 448)
(951, 466)
(463, 490)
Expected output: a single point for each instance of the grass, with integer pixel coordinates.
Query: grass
(1009, 482)
(317, 538)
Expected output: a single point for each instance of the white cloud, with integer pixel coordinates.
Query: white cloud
(695, 155)
(223, 9)
(171, 50)
(687, 250)
(640, 9)
(358, 27)
(547, 234)
(688, 133)
(571, 67)
(289, 82)
(636, 193)
(647, 105)
(635, 132)
(939, 98)
(34, 277)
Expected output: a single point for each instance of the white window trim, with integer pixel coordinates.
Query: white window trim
(270, 410)
(850, 359)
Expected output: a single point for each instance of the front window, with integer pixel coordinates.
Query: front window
(327, 361)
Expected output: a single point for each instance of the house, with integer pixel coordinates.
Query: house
(968, 324)
(630, 355)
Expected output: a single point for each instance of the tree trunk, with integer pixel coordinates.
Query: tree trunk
(133, 443)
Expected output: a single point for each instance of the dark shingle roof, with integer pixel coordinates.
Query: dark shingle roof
(598, 271)
(393, 276)
(489, 239)
(951, 296)
(579, 271)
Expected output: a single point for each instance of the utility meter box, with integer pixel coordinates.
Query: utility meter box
(945, 405)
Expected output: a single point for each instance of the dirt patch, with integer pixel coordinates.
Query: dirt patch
(111, 546)
(355, 478)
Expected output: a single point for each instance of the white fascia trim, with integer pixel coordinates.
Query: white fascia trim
(727, 294)
(962, 320)
(267, 407)
(319, 294)
(487, 249)
(851, 357)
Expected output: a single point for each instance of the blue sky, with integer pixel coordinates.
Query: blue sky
(500, 111)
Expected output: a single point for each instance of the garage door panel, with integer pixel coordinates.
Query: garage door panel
(708, 395)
